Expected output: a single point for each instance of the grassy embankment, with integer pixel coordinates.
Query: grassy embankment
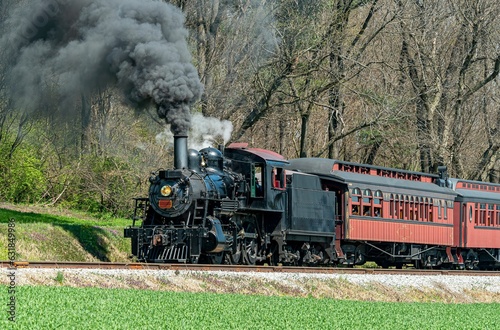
(60, 237)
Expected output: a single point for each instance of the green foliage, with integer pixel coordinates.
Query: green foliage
(46, 169)
(22, 176)
(91, 308)
(369, 136)
(102, 185)
(59, 277)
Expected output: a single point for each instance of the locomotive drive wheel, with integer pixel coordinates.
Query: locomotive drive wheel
(234, 258)
(250, 247)
(274, 256)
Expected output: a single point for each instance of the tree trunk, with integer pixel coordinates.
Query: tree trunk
(85, 120)
(304, 121)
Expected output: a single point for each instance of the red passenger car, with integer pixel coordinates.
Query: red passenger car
(477, 223)
(389, 216)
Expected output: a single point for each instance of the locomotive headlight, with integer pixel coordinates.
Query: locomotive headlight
(166, 191)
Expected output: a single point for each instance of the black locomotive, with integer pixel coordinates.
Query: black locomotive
(233, 205)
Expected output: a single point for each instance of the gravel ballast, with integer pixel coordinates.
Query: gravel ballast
(368, 287)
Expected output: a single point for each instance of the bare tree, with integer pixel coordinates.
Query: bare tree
(232, 40)
(327, 48)
(274, 61)
(448, 56)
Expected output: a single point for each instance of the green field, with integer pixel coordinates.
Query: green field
(39, 307)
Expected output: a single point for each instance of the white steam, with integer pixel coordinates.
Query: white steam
(205, 132)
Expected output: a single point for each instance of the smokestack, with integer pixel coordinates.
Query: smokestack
(180, 152)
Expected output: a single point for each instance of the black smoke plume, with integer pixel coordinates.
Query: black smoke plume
(74, 46)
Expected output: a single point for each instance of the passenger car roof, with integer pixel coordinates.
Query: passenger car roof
(476, 190)
(325, 168)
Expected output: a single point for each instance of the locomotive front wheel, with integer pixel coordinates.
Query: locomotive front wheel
(217, 259)
(213, 259)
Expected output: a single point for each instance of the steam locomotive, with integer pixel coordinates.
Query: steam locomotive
(241, 205)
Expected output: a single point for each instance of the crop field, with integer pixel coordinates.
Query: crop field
(60, 307)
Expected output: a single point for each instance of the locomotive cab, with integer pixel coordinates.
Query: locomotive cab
(288, 216)
(264, 175)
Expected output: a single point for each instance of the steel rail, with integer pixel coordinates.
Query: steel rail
(239, 268)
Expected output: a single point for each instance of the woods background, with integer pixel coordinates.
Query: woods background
(410, 84)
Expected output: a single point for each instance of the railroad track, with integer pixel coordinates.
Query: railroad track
(241, 268)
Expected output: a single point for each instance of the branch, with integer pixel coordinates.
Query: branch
(262, 106)
(365, 25)
(481, 84)
(341, 136)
